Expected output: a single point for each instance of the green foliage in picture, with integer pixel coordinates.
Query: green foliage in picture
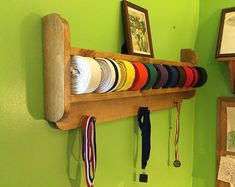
(231, 140)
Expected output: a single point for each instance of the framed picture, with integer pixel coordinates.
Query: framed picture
(226, 38)
(137, 30)
(225, 133)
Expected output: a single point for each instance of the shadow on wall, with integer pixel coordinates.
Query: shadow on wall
(74, 161)
(32, 58)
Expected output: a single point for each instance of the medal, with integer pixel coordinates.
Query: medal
(143, 177)
(177, 163)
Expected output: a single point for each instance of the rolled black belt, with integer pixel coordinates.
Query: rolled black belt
(173, 76)
(202, 76)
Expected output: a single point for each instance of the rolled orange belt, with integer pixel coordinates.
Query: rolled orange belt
(141, 76)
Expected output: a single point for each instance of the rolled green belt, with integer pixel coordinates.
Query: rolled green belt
(152, 76)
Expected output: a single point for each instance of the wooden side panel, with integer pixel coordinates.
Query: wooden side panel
(55, 58)
(188, 55)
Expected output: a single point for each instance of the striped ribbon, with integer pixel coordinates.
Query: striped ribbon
(177, 133)
(89, 149)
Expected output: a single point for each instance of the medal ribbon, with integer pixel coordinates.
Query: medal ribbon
(89, 150)
(145, 128)
(177, 133)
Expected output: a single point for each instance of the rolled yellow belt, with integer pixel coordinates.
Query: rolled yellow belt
(127, 74)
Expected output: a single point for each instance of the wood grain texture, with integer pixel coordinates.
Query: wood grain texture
(188, 55)
(53, 42)
(56, 66)
(126, 94)
(113, 109)
(223, 103)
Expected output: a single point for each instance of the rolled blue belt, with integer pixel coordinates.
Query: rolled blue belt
(173, 76)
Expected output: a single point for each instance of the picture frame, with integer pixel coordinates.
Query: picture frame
(225, 49)
(137, 31)
(225, 132)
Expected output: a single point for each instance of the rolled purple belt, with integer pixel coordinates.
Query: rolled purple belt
(162, 76)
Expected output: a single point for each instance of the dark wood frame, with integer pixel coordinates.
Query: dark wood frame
(223, 103)
(128, 39)
(229, 56)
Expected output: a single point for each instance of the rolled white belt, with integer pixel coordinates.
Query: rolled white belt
(85, 75)
(117, 75)
(107, 75)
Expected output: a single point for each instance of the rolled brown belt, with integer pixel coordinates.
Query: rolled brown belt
(182, 76)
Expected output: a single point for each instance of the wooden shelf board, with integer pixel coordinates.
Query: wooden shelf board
(112, 109)
(125, 94)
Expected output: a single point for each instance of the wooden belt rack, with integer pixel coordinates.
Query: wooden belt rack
(66, 109)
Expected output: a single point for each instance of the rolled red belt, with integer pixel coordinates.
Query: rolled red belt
(189, 77)
(195, 77)
(141, 76)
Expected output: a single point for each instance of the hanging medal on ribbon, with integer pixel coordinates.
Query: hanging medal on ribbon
(177, 162)
(89, 150)
(145, 127)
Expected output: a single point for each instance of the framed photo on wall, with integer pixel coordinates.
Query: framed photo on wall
(226, 38)
(225, 140)
(137, 30)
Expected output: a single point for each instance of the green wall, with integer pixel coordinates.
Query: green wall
(204, 170)
(33, 153)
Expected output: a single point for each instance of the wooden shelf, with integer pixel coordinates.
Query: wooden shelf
(67, 109)
(125, 94)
